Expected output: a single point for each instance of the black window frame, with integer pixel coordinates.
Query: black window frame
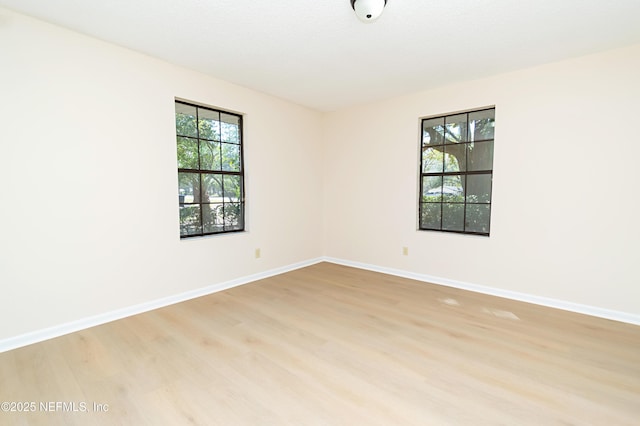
(428, 219)
(235, 207)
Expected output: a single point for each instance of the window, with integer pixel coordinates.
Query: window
(456, 171)
(210, 170)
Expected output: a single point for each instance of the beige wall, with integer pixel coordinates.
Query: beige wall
(88, 178)
(89, 219)
(566, 198)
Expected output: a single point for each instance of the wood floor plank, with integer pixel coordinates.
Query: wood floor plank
(333, 345)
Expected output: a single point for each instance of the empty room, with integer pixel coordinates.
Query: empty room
(339, 212)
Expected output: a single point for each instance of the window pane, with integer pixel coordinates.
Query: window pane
(453, 188)
(232, 188)
(209, 155)
(232, 216)
(456, 172)
(189, 187)
(187, 153)
(209, 142)
(455, 158)
(230, 128)
(478, 217)
(230, 157)
(480, 156)
(431, 214)
(211, 188)
(456, 128)
(481, 125)
(453, 217)
(209, 124)
(479, 188)
(190, 220)
(432, 189)
(186, 120)
(212, 217)
(433, 131)
(432, 160)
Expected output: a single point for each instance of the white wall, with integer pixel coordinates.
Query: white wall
(89, 216)
(89, 219)
(566, 201)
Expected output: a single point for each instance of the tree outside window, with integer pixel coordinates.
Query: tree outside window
(456, 172)
(210, 170)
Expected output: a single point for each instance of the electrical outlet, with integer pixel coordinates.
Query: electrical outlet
(257, 253)
(405, 251)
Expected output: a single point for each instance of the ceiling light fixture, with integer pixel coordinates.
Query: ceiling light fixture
(368, 10)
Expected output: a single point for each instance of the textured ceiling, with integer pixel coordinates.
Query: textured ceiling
(318, 54)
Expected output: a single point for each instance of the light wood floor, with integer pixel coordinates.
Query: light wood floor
(331, 345)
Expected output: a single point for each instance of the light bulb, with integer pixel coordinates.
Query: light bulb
(368, 10)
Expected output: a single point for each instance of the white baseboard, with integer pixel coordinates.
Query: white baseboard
(70, 327)
(523, 297)
(82, 324)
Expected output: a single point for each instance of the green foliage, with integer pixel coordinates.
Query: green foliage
(208, 141)
(455, 144)
(455, 217)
